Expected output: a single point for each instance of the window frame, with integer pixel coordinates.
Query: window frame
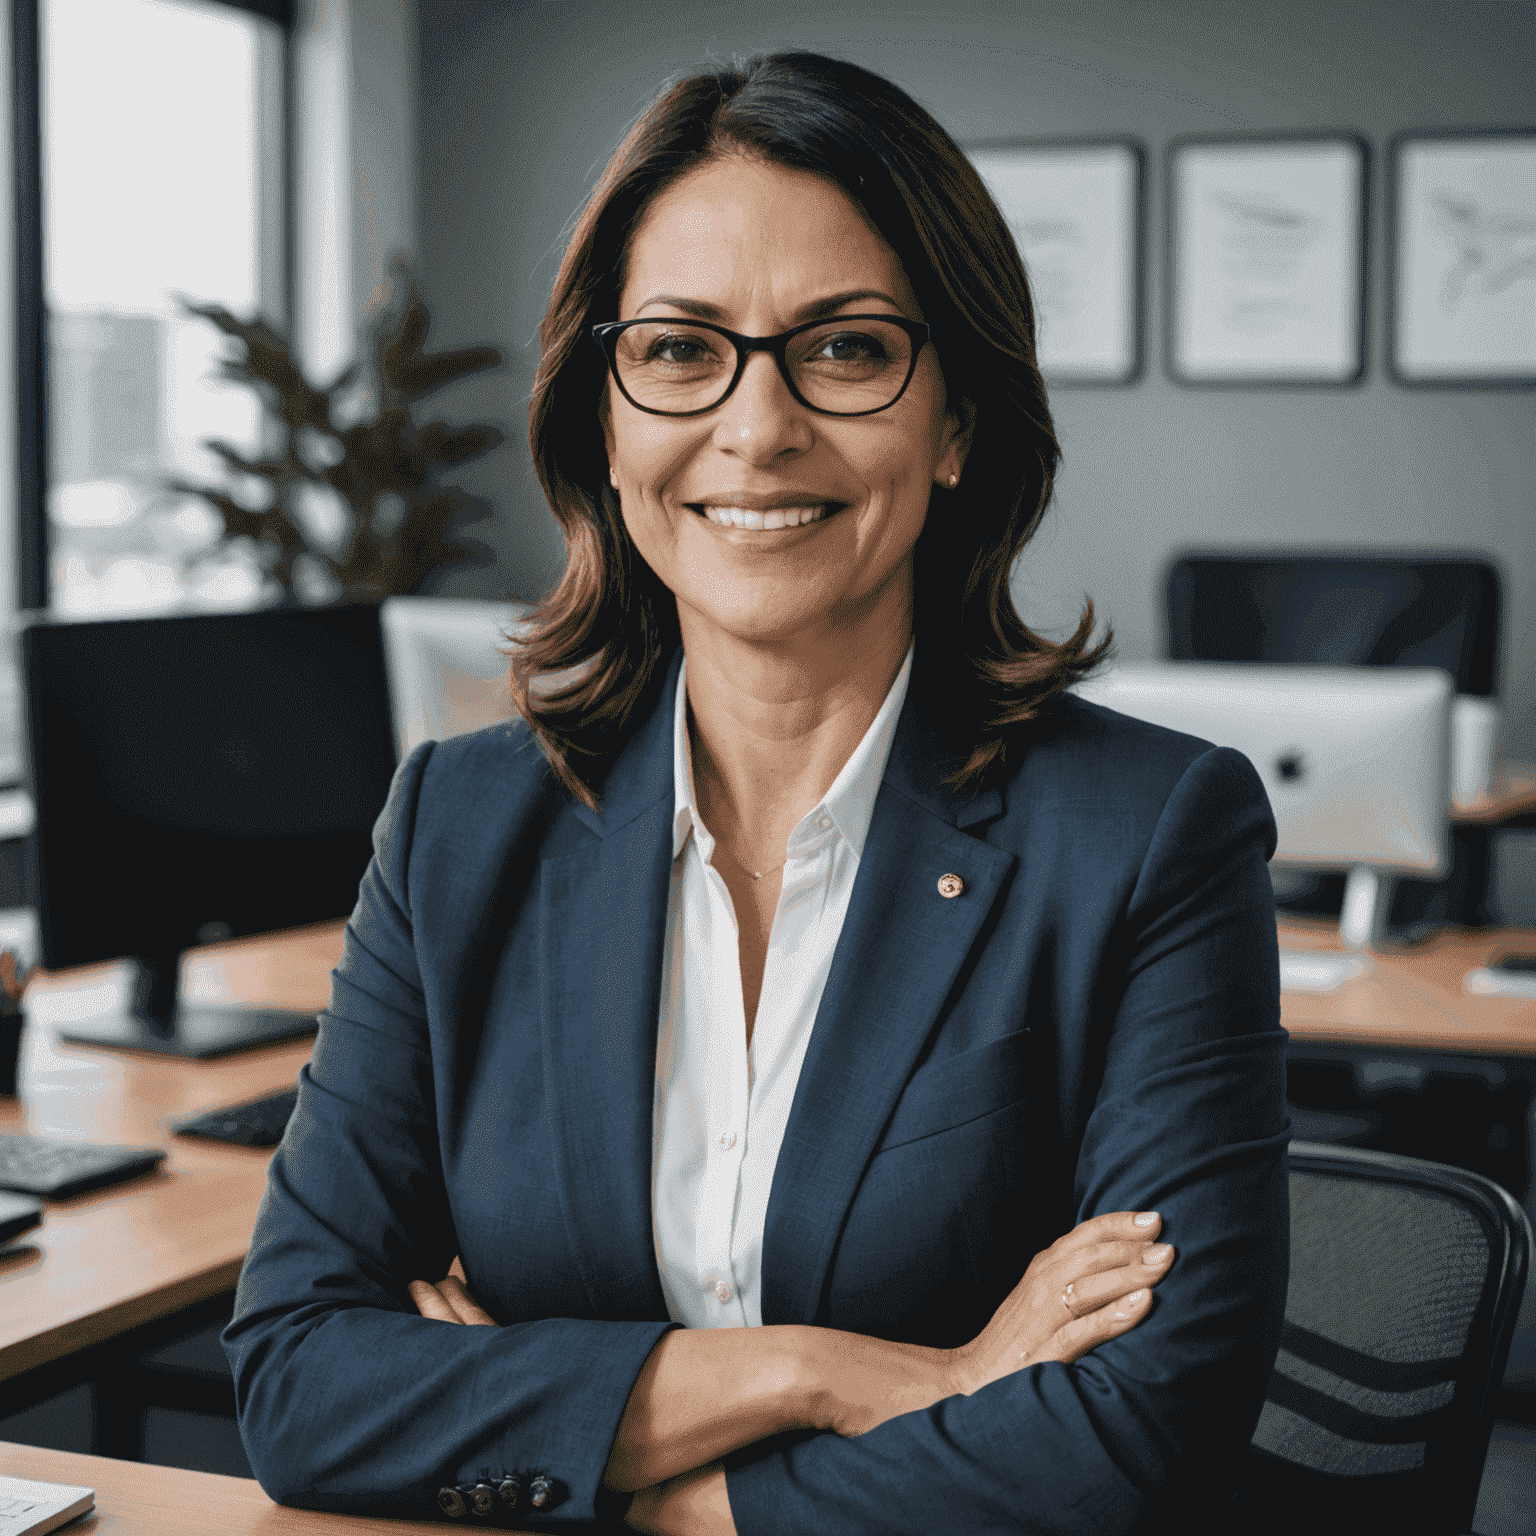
(32, 577)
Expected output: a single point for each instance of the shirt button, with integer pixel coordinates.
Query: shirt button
(726, 1140)
(723, 1290)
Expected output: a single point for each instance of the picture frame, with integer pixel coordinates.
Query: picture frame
(1076, 208)
(1266, 260)
(1462, 255)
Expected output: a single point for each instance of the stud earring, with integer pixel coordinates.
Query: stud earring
(953, 481)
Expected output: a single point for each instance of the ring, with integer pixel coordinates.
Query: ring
(1066, 1300)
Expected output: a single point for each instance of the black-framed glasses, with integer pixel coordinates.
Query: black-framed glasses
(849, 365)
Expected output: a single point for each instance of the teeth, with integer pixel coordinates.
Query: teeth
(787, 517)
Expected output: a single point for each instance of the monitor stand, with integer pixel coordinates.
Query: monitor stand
(157, 1021)
(1362, 927)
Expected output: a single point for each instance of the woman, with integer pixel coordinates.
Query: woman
(804, 766)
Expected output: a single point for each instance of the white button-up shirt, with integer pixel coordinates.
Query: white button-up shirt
(721, 1108)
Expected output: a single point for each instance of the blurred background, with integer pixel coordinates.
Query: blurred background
(466, 134)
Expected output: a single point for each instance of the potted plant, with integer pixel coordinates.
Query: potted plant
(347, 501)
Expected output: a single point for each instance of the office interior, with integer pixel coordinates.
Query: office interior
(466, 133)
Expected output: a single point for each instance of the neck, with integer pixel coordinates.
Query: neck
(771, 725)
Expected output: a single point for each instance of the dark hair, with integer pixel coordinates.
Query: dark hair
(610, 617)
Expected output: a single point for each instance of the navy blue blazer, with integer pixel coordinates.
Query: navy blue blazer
(1092, 1026)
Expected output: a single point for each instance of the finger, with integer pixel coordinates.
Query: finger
(1073, 1340)
(430, 1303)
(463, 1304)
(1094, 1291)
(1141, 1226)
(1078, 1264)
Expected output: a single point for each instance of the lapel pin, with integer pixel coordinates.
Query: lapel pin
(951, 885)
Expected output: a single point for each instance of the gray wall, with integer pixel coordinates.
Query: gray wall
(523, 100)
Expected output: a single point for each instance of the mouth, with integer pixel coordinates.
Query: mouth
(769, 520)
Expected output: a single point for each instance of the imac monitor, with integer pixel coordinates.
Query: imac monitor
(1355, 760)
(198, 778)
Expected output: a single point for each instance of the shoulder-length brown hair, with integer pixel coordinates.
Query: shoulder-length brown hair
(610, 618)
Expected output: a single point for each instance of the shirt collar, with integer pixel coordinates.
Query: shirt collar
(849, 803)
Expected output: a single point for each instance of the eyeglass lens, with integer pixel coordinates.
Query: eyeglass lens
(671, 366)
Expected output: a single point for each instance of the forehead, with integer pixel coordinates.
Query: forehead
(738, 230)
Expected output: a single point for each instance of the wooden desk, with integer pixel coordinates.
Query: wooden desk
(1414, 998)
(133, 1499)
(109, 1261)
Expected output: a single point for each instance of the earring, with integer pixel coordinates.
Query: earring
(953, 481)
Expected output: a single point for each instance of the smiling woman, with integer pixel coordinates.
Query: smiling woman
(805, 1024)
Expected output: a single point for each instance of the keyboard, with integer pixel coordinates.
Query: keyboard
(256, 1123)
(38, 1165)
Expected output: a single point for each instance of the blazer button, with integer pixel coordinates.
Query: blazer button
(452, 1504)
(540, 1491)
(511, 1490)
(951, 885)
(482, 1500)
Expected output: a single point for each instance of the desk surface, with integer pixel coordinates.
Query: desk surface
(110, 1260)
(106, 1262)
(1414, 998)
(133, 1499)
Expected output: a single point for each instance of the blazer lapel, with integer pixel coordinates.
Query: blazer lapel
(901, 947)
(603, 918)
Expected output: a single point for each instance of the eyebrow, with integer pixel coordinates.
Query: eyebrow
(812, 311)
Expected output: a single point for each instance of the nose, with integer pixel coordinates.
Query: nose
(762, 421)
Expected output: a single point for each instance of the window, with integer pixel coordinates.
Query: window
(161, 147)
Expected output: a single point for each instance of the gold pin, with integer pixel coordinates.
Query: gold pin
(951, 885)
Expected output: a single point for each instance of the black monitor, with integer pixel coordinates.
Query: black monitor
(197, 778)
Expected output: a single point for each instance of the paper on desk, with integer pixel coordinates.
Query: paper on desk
(29, 1509)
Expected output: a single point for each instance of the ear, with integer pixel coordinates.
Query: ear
(959, 426)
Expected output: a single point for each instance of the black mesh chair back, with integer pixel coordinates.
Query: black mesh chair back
(1405, 1280)
(1338, 610)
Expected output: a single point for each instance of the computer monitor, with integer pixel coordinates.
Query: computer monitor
(196, 778)
(1355, 761)
(448, 664)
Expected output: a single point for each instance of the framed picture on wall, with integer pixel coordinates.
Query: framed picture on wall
(1266, 260)
(1463, 251)
(1075, 209)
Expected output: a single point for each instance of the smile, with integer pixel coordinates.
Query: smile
(774, 518)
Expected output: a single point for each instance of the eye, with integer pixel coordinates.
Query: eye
(849, 347)
(682, 349)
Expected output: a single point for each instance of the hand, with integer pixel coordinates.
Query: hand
(1087, 1288)
(448, 1301)
(856, 1383)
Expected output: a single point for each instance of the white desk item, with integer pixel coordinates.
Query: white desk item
(1303, 970)
(1485, 982)
(447, 664)
(1355, 760)
(30, 1509)
(1475, 724)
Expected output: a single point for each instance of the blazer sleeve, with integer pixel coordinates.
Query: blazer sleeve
(1189, 1120)
(347, 1399)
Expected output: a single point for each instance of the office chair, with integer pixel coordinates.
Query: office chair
(1406, 1277)
(1337, 609)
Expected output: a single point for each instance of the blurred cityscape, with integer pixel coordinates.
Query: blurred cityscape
(118, 541)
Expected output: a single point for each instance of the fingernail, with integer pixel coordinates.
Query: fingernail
(1155, 1254)
(1146, 1218)
(1134, 1297)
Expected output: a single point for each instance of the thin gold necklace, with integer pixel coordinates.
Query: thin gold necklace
(757, 874)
